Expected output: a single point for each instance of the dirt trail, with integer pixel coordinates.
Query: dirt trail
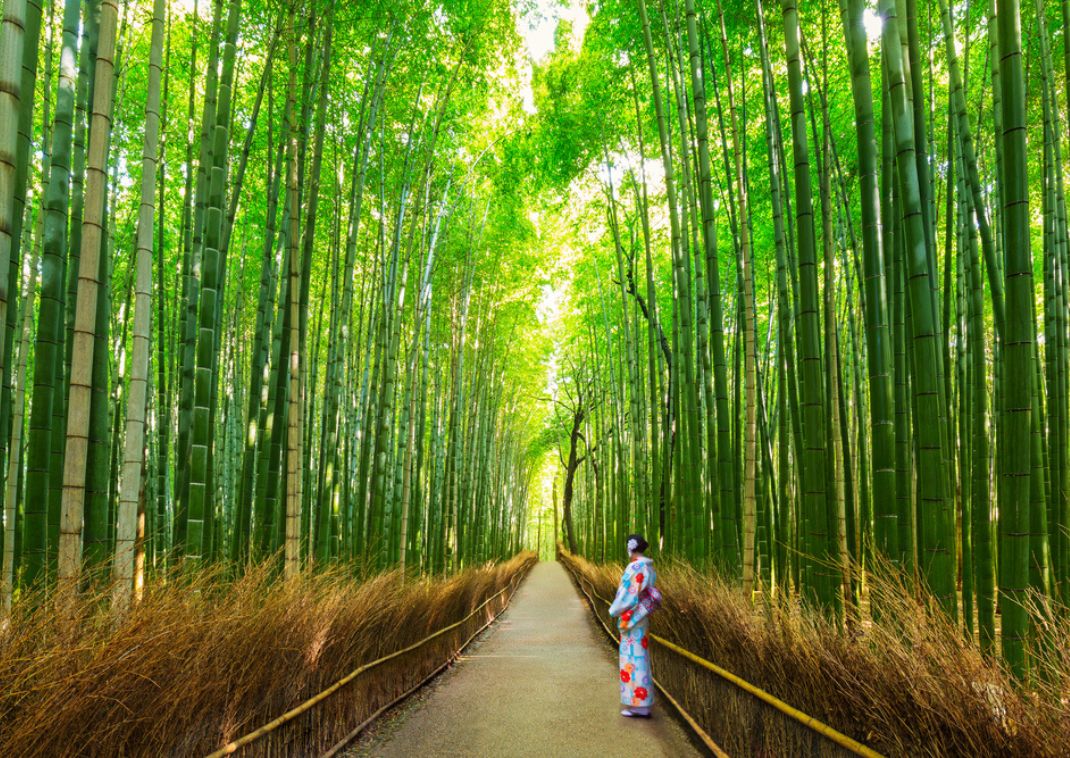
(542, 684)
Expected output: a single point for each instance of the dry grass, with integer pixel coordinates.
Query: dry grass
(202, 662)
(912, 686)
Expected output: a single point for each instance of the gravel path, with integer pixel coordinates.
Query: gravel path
(543, 683)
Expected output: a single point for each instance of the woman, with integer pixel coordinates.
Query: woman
(636, 679)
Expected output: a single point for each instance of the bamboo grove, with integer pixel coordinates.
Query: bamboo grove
(785, 288)
(258, 294)
(822, 330)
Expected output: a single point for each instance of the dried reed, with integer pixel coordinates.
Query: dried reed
(910, 685)
(203, 660)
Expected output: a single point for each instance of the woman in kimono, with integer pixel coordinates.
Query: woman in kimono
(636, 678)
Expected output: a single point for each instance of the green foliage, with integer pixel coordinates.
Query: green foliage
(507, 236)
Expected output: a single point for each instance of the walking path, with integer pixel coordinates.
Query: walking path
(542, 684)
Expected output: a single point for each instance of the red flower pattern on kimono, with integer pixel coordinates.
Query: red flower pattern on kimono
(644, 643)
(625, 676)
(641, 693)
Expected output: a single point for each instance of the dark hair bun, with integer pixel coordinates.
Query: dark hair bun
(640, 544)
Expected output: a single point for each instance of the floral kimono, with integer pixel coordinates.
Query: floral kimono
(636, 678)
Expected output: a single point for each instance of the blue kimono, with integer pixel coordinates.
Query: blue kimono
(636, 677)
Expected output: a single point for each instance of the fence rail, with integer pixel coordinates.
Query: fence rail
(319, 698)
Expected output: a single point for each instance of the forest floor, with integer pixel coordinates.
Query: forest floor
(542, 683)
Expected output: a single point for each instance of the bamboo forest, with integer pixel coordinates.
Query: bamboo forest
(330, 326)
